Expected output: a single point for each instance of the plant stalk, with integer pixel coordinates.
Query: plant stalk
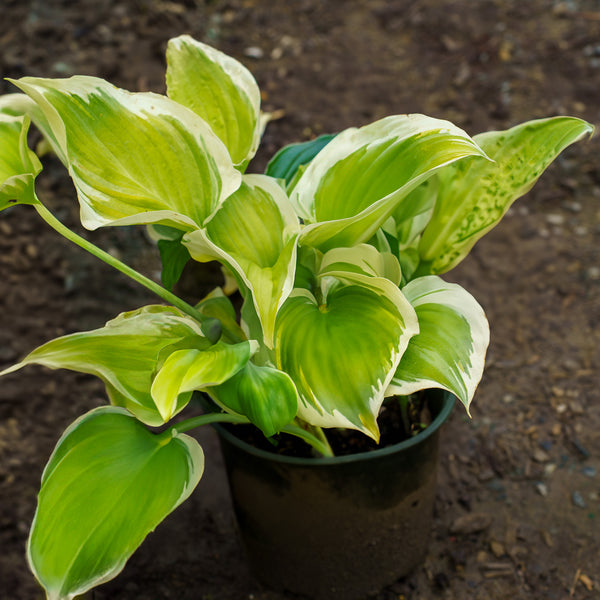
(315, 437)
(205, 419)
(210, 327)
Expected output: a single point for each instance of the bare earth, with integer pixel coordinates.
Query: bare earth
(518, 510)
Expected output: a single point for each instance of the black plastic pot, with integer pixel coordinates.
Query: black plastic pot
(336, 528)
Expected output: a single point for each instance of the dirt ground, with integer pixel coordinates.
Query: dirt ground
(527, 466)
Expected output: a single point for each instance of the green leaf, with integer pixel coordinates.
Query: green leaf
(107, 485)
(363, 175)
(265, 395)
(474, 195)
(173, 256)
(285, 164)
(134, 158)
(220, 90)
(254, 234)
(342, 351)
(449, 351)
(125, 354)
(191, 369)
(19, 166)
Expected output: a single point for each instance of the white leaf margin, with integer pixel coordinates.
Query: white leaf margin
(432, 289)
(239, 75)
(144, 104)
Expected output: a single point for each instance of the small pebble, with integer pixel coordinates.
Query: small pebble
(593, 273)
(589, 471)
(497, 549)
(542, 488)
(254, 52)
(572, 206)
(485, 475)
(471, 523)
(578, 500)
(547, 539)
(555, 219)
(540, 456)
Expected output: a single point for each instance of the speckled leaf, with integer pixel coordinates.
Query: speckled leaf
(107, 485)
(473, 196)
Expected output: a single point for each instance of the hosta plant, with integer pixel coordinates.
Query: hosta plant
(337, 252)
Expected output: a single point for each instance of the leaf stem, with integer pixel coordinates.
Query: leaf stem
(318, 442)
(210, 326)
(205, 419)
(316, 438)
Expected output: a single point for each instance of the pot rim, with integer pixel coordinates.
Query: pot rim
(449, 401)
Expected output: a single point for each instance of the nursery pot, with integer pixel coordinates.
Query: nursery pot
(336, 528)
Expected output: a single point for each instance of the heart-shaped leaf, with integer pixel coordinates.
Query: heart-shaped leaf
(449, 351)
(134, 158)
(219, 89)
(341, 352)
(108, 483)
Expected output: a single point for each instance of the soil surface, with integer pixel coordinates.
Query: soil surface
(518, 508)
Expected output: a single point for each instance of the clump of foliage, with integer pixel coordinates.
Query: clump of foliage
(337, 251)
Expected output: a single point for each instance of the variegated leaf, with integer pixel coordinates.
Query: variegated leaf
(107, 485)
(220, 90)
(19, 166)
(254, 234)
(449, 351)
(125, 354)
(362, 259)
(474, 195)
(190, 369)
(362, 176)
(134, 158)
(342, 350)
